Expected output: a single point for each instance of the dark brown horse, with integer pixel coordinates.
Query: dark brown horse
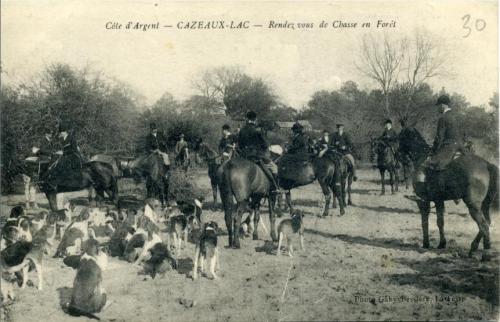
(386, 161)
(331, 171)
(467, 177)
(152, 168)
(96, 175)
(247, 183)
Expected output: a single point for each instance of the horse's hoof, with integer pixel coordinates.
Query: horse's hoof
(349, 203)
(236, 247)
(382, 193)
(255, 237)
(426, 246)
(442, 245)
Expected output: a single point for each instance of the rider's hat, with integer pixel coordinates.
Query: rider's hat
(251, 115)
(153, 126)
(297, 127)
(226, 127)
(181, 135)
(340, 124)
(388, 121)
(443, 99)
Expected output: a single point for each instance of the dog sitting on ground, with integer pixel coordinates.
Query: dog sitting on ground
(287, 228)
(206, 250)
(20, 255)
(88, 295)
(160, 260)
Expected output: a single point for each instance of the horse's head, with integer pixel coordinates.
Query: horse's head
(206, 152)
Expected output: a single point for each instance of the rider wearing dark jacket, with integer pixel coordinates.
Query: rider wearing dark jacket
(300, 141)
(67, 170)
(342, 143)
(449, 136)
(389, 136)
(254, 147)
(227, 143)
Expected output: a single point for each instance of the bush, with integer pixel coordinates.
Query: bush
(184, 187)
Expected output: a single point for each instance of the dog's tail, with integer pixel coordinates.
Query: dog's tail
(73, 311)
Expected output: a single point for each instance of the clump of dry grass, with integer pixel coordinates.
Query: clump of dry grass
(184, 187)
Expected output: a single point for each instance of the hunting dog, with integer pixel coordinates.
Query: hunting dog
(287, 228)
(206, 249)
(20, 255)
(88, 295)
(75, 234)
(144, 238)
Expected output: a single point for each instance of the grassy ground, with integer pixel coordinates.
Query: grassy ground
(366, 265)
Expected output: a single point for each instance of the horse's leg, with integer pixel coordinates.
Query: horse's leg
(440, 222)
(228, 217)
(272, 218)
(52, 198)
(337, 190)
(288, 196)
(242, 207)
(213, 182)
(343, 183)
(485, 208)
(256, 219)
(396, 179)
(482, 223)
(382, 180)
(349, 183)
(425, 208)
(326, 193)
(392, 174)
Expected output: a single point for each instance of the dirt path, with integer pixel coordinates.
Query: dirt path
(366, 265)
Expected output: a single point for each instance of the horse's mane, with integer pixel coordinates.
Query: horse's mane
(208, 151)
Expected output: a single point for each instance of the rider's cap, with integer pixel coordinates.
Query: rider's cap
(388, 121)
(297, 127)
(252, 116)
(443, 99)
(340, 124)
(182, 135)
(226, 127)
(153, 126)
(326, 131)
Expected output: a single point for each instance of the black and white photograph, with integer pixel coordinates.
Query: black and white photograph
(249, 160)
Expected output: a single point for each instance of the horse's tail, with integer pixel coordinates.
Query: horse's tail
(492, 195)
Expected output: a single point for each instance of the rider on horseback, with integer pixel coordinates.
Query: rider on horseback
(449, 136)
(342, 143)
(67, 169)
(300, 142)
(227, 143)
(389, 136)
(254, 147)
(155, 143)
(46, 147)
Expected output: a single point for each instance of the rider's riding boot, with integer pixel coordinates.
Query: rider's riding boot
(276, 188)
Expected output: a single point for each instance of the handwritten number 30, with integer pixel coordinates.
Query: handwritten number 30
(479, 25)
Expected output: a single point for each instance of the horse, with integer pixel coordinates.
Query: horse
(214, 161)
(96, 175)
(331, 171)
(467, 177)
(386, 161)
(151, 168)
(247, 183)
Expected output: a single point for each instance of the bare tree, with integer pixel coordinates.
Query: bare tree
(380, 60)
(212, 83)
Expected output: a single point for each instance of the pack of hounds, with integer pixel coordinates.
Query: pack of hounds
(87, 237)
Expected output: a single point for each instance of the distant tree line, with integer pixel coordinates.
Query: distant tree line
(110, 117)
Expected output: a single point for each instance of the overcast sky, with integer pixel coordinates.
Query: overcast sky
(295, 62)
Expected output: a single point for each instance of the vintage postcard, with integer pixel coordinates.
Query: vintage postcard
(249, 160)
